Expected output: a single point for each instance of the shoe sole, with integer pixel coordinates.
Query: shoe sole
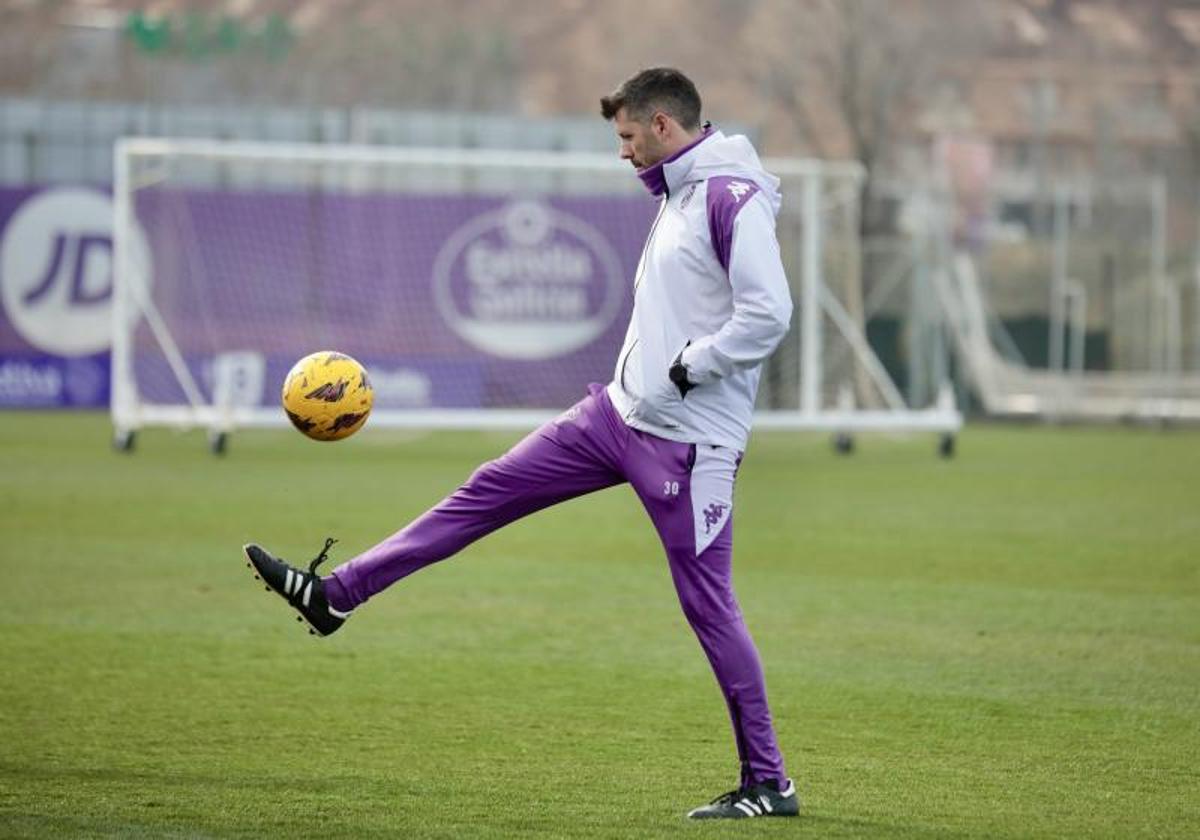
(779, 815)
(312, 630)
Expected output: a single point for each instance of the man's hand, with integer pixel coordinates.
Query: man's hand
(678, 373)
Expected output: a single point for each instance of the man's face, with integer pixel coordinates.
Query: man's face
(639, 144)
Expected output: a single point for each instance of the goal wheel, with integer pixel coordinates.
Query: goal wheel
(946, 445)
(843, 443)
(124, 440)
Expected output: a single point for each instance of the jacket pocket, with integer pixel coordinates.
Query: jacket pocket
(661, 402)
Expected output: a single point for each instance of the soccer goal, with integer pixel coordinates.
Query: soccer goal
(481, 289)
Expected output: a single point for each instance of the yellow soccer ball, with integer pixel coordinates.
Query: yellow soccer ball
(327, 395)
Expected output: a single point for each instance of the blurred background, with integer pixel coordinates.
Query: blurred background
(1025, 226)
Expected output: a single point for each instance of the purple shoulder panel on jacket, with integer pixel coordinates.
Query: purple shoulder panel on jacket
(727, 195)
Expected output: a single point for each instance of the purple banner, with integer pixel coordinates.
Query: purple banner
(44, 381)
(451, 301)
(56, 291)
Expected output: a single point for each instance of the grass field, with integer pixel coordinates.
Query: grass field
(1003, 645)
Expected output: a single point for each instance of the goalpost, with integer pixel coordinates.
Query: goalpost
(482, 289)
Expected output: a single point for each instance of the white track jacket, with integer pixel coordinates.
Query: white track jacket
(710, 284)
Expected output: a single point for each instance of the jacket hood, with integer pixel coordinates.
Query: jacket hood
(711, 155)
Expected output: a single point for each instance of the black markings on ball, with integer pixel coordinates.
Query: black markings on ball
(345, 421)
(329, 391)
(300, 423)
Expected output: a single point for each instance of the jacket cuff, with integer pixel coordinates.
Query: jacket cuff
(701, 361)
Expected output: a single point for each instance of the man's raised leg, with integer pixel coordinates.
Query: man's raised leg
(575, 454)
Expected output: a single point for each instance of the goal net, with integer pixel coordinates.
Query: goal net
(480, 288)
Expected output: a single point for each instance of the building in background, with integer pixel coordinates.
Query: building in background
(1052, 85)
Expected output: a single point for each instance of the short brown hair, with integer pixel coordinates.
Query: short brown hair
(657, 89)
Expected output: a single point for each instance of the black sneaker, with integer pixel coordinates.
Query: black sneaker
(761, 800)
(304, 591)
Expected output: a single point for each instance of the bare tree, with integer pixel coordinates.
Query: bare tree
(852, 74)
(852, 77)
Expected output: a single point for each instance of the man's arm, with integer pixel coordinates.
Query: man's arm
(762, 304)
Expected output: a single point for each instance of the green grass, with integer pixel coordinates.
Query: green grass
(1004, 645)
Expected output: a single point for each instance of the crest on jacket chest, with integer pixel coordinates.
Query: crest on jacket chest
(687, 196)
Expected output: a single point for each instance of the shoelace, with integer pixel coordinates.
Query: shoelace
(322, 557)
(730, 797)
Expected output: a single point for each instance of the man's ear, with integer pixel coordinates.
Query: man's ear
(660, 123)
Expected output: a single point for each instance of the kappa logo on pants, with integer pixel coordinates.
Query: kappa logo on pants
(568, 416)
(713, 514)
(712, 492)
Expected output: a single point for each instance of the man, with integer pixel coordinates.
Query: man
(711, 303)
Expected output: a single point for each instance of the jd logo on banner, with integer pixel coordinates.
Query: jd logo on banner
(56, 271)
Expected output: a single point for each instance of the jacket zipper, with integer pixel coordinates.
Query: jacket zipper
(637, 281)
(641, 269)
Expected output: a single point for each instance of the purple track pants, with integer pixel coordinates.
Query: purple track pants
(686, 489)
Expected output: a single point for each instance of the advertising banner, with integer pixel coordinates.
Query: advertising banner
(452, 301)
(56, 291)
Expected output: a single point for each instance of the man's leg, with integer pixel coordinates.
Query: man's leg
(695, 525)
(574, 454)
(731, 652)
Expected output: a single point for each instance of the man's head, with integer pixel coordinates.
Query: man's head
(656, 113)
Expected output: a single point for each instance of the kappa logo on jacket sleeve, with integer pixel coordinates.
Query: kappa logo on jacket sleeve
(737, 189)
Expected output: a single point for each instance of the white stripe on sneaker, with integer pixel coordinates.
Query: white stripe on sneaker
(307, 592)
(287, 583)
(765, 802)
(744, 808)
